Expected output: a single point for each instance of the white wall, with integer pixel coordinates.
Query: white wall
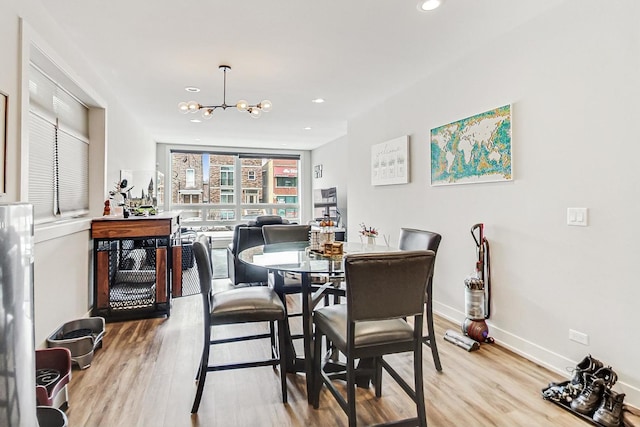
(333, 158)
(62, 254)
(572, 79)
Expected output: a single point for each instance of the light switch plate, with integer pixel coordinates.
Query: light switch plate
(577, 216)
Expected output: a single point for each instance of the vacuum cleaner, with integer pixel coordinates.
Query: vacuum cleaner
(477, 298)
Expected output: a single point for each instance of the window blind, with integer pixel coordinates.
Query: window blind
(58, 150)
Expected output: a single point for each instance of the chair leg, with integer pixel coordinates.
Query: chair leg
(202, 376)
(317, 381)
(283, 358)
(351, 392)
(272, 337)
(419, 385)
(430, 340)
(378, 376)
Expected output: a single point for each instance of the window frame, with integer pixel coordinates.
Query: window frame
(54, 108)
(35, 49)
(218, 214)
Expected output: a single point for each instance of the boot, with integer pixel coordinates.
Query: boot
(609, 413)
(589, 398)
(587, 365)
(608, 376)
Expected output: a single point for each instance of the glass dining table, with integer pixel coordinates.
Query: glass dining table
(296, 257)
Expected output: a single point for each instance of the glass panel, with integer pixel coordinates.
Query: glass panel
(221, 215)
(226, 196)
(190, 178)
(263, 183)
(187, 182)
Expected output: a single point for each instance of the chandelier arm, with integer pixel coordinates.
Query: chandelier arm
(224, 105)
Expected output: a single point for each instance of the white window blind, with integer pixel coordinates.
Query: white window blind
(58, 150)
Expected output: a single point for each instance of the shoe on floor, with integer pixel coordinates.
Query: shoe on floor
(609, 413)
(607, 375)
(587, 365)
(589, 398)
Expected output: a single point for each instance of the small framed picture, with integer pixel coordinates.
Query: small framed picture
(317, 171)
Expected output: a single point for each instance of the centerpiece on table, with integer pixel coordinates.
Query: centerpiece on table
(368, 233)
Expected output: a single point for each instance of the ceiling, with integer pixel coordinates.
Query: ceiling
(352, 53)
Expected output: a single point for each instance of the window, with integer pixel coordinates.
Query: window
(251, 195)
(58, 150)
(226, 176)
(287, 199)
(268, 186)
(227, 215)
(226, 196)
(190, 178)
(286, 181)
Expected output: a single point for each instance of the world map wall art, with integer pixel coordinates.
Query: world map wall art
(472, 150)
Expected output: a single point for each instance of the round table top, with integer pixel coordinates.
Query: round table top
(298, 258)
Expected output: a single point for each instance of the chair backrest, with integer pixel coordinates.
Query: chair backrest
(387, 285)
(203, 262)
(412, 239)
(250, 234)
(268, 219)
(283, 233)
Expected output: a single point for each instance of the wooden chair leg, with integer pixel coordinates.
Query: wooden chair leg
(430, 340)
(419, 385)
(351, 392)
(202, 376)
(272, 337)
(282, 343)
(317, 369)
(378, 376)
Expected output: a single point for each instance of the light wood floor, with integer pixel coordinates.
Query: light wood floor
(144, 376)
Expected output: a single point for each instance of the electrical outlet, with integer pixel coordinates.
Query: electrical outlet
(579, 337)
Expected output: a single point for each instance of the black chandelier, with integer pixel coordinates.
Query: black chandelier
(207, 110)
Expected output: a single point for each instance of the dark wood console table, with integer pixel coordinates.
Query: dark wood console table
(133, 264)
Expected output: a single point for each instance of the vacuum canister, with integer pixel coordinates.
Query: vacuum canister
(474, 298)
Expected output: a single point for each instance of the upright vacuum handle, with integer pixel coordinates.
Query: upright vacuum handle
(475, 227)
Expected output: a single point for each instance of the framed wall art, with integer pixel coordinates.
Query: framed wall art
(390, 162)
(472, 150)
(3, 141)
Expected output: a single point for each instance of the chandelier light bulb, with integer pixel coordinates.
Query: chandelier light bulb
(193, 106)
(207, 114)
(265, 105)
(255, 112)
(242, 105)
(184, 107)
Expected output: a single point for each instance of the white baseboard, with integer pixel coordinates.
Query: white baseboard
(535, 353)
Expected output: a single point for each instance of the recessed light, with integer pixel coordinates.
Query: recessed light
(192, 89)
(427, 5)
(307, 128)
(195, 121)
(318, 100)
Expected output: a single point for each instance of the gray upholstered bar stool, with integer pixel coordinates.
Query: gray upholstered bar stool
(383, 289)
(243, 305)
(412, 239)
